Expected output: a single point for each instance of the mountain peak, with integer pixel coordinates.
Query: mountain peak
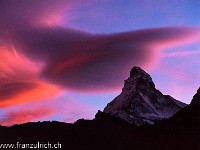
(141, 102)
(139, 81)
(196, 98)
(138, 71)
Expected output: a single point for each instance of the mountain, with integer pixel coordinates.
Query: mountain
(141, 102)
(106, 131)
(179, 132)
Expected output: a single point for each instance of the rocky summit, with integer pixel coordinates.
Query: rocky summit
(140, 102)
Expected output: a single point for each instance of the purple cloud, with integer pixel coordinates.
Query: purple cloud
(77, 60)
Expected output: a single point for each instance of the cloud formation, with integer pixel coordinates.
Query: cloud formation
(87, 62)
(80, 61)
(185, 53)
(19, 81)
(35, 13)
(26, 115)
(68, 110)
(12, 89)
(13, 94)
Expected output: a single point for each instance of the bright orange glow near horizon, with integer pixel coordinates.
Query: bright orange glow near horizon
(40, 92)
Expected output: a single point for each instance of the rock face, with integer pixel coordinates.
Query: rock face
(141, 102)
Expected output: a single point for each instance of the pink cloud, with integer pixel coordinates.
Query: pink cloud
(185, 53)
(37, 12)
(102, 62)
(175, 72)
(85, 62)
(76, 60)
(17, 93)
(68, 110)
(19, 81)
(26, 115)
(15, 65)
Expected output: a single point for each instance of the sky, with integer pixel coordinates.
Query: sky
(66, 59)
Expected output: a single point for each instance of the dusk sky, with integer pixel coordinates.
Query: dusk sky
(66, 59)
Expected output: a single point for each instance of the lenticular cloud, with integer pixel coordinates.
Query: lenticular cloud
(76, 60)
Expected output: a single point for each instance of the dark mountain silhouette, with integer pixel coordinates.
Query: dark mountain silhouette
(108, 132)
(190, 115)
(181, 131)
(141, 102)
(103, 132)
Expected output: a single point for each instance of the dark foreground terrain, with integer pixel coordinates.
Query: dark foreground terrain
(180, 132)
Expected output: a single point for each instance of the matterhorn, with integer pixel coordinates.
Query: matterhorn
(140, 102)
